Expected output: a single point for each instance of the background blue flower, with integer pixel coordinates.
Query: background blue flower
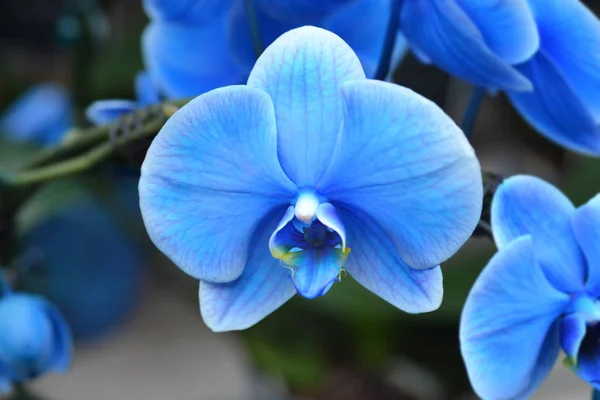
(247, 187)
(80, 253)
(535, 50)
(538, 293)
(42, 115)
(34, 339)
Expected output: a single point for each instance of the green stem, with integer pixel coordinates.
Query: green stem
(254, 28)
(477, 96)
(385, 61)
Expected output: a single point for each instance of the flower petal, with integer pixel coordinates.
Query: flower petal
(285, 237)
(363, 25)
(568, 31)
(375, 264)
(403, 162)
(263, 287)
(586, 226)
(303, 71)
(146, 92)
(444, 32)
(209, 177)
(508, 27)
(186, 11)
(554, 108)
(42, 115)
(5, 383)
(506, 323)
(572, 332)
(327, 214)
(526, 205)
(314, 270)
(189, 60)
(103, 112)
(299, 11)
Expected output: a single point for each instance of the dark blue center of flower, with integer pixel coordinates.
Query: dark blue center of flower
(318, 235)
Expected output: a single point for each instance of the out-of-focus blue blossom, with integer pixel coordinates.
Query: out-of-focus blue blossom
(107, 111)
(190, 56)
(34, 339)
(565, 72)
(42, 115)
(537, 294)
(539, 51)
(87, 267)
(261, 190)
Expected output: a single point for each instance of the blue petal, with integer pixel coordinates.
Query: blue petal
(186, 61)
(300, 11)
(27, 340)
(146, 92)
(285, 237)
(572, 332)
(506, 323)
(42, 115)
(314, 270)
(375, 264)
(103, 112)
(303, 71)
(554, 108)
(508, 29)
(568, 31)
(104, 271)
(363, 25)
(263, 287)
(5, 383)
(442, 31)
(327, 214)
(526, 205)
(240, 37)
(186, 11)
(586, 225)
(63, 341)
(403, 162)
(209, 177)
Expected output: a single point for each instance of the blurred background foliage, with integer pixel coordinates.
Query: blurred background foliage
(348, 344)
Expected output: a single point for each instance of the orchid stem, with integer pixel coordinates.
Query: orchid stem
(385, 61)
(254, 28)
(468, 122)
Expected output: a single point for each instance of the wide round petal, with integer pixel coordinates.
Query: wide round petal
(186, 61)
(363, 25)
(508, 27)
(526, 205)
(586, 225)
(263, 287)
(507, 337)
(554, 109)
(42, 115)
(303, 71)
(445, 33)
(209, 177)
(190, 12)
(375, 264)
(569, 30)
(103, 112)
(404, 163)
(299, 11)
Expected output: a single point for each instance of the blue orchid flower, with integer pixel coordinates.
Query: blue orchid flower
(34, 339)
(189, 56)
(538, 294)
(537, 51)
(260, 190)
(565, 72)
(43, 115)
(103, 112)
(103, 271)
